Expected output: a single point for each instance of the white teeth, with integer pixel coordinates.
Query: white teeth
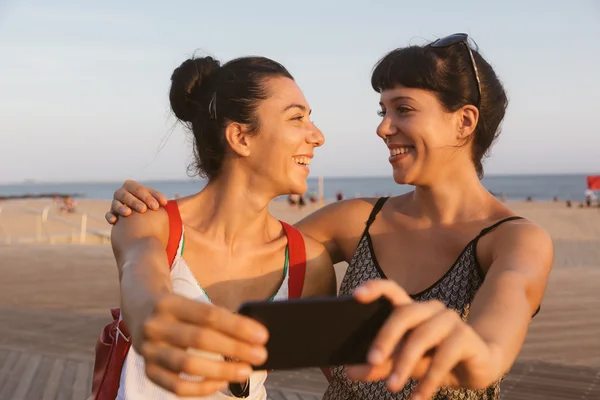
(302, 160)
(399, 150)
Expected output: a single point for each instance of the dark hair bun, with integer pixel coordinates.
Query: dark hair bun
(186, 83)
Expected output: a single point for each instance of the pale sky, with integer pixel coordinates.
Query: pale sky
(83, 84)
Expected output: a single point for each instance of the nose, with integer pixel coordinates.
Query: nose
(385, 128)
(316, 137)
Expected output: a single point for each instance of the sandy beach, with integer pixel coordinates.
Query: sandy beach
(58, 284)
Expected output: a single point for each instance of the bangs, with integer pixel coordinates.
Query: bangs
(413, 67)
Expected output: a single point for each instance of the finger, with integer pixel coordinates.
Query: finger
(194, 363)
(447, 355)
(372, 373)
(162, 200)
(373, 290)
(368, 372)
(118, 208)
(403, 319)
(185, 336)
(140, 192)
(220, 319)
(172, 382)
(130, 200)
(110, 218)
(426, 336)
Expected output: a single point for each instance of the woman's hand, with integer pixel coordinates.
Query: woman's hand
(133, 196)
(178, 324)
(425, 341)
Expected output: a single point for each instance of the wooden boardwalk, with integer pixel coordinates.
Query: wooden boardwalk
(30, 376)
(53, 306)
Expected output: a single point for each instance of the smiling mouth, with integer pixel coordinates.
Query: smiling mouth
(399, 151)
(302, 160)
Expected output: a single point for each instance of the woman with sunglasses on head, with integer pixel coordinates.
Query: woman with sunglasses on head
(465, 273)
(253, 141)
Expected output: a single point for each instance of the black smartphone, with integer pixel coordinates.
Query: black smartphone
(318, 332)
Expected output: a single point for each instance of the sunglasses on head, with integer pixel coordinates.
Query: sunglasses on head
(461, 38)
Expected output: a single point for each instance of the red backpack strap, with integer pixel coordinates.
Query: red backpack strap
(297, 260)
(175, 230)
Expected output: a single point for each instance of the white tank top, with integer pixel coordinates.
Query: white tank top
(135, 385)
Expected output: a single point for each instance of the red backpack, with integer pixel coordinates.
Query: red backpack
(111, 353)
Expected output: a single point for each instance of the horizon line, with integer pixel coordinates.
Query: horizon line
(35, 181)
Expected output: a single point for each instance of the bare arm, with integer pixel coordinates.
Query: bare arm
(320, 276)
(338, 226)
(522, 257)
(139, 244)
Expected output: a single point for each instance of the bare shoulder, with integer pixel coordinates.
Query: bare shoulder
(520, 246)
(523, 234)
(136, 226)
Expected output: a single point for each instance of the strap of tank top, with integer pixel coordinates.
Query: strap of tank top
(487, 230)
(376, 208)
(175, 230)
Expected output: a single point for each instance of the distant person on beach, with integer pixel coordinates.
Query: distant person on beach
(339, 196)
(68, 205)
(590, 196)
(253, 141)
(466, 274)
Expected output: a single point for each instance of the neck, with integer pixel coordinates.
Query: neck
(458, 196)
(233, 209)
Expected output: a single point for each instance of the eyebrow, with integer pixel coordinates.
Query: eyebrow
(300, 106)
(393, 99)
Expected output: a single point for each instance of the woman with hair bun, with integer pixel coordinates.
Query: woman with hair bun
(253, 141)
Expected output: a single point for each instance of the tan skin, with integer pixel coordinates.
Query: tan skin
(417, 237)
(234, 248)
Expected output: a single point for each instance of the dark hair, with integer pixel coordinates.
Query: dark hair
(448, 72)
(206, 96)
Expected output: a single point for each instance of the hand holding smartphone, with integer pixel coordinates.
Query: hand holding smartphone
(318, 332)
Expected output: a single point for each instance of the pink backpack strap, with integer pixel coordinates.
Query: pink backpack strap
(297, 260)
(175, 230)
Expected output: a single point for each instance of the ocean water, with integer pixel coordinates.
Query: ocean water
(514, 187)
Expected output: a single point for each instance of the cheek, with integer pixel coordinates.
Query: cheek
(431, 134)
(275, 153)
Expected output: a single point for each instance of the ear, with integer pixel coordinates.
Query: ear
(238, 139)
(468, 116)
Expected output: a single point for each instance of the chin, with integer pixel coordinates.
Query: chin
(298, 188)
(401, 177)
